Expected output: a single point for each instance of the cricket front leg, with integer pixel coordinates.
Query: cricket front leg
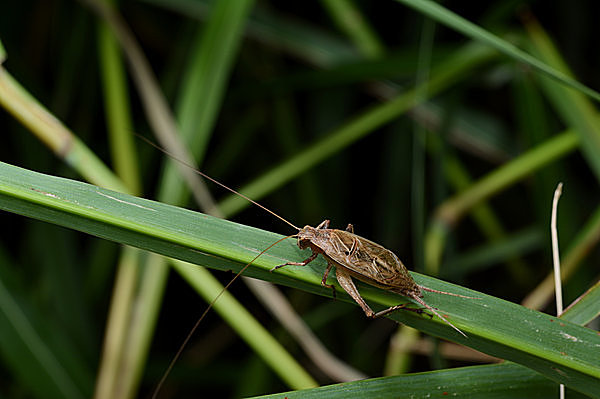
(303, 263)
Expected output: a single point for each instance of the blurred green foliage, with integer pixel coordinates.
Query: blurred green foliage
(430, 142)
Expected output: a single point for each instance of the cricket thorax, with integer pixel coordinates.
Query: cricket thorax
(310, 235)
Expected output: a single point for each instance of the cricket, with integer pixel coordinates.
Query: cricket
(352, 256)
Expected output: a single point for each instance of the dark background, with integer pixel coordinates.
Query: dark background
(52, 51)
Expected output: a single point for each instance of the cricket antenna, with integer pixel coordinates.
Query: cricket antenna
(217, 182)
(210, 306)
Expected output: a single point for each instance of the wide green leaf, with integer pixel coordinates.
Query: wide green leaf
(560, 350)
(507, 380)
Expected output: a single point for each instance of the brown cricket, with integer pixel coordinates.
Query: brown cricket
(353, 257)
(365, 260)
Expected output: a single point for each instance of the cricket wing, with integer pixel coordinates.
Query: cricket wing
(369, 262)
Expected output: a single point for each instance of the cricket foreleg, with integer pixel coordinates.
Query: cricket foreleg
(303, 263)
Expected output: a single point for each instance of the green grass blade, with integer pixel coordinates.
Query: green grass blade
(445, 75)
(496, 381)
(314, 45)
(2, 53)
(490, 254)
(563, 352)
(27, 344)
(203, 89)
(576, 110)
(349, 19)
(453, 209)
(33, 115)
(469, 29)
(582, 244)
(488, 223)
(204, 86)
(118, 112)
(247, 326)
(585, 308)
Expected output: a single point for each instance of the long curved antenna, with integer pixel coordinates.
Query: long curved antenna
(210, 305)
(217, 182)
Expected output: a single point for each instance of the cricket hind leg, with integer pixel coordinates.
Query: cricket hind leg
(348, 285)
(435, 312)
(403, 306)
(446, 293)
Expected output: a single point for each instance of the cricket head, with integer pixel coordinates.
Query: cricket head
(305, 236)
(313, 237)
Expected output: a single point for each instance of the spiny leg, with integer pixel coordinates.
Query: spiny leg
(303, 263)
(324, 224)
(434, 311)
(349, 254)
(446, 293)
(397, 307)
(348, 285)
(324, 279)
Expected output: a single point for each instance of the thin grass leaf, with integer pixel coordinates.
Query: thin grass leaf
(454, 208)
(203, 87)
(25, 108)
(26, 344)
(310, 43)
(121, 364)
(576, 110)
(488, 255)
(445, 75)
(2, 53)
(349, 19)
(582, 244)
(257, 336)
(469, 29)
(119, 119)
(585, 308)
(488, 222)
